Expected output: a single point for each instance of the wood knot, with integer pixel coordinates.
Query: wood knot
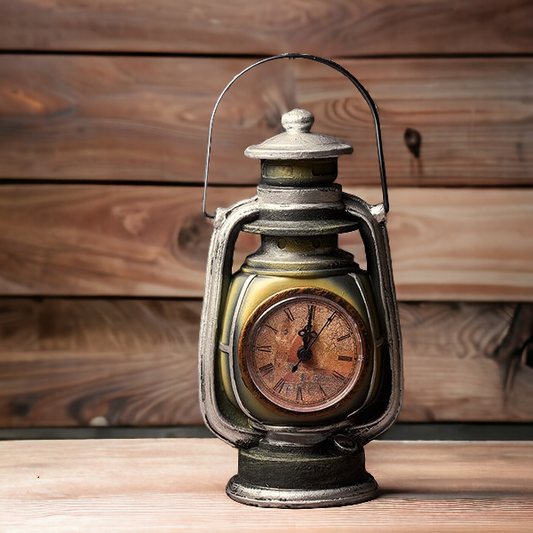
(413, 141)
(193, 239)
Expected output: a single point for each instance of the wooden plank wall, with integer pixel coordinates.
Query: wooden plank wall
(104, 108)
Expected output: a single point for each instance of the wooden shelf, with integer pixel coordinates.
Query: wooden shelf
(178, 485)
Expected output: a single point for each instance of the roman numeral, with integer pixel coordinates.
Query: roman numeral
(266, 369)
(322, 392)
(278, 387)
(345, 358)
(299, 394)
(311, 312)
(344, 337)
(289, 314)
(271, 327)
(339, 377)
(266, 349)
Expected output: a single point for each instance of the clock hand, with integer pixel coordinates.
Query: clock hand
(327, 323)
(307, 334)
(304, 352)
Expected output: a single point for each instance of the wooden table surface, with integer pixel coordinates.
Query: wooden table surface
(178, 485)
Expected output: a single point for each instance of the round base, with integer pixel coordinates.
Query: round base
(301, 498)
(297, 476)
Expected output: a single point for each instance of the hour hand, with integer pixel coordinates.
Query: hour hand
(307, 335)
(307, 332)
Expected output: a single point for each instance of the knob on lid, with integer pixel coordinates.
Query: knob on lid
(297, 142)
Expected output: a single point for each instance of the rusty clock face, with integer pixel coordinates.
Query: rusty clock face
(304, 352)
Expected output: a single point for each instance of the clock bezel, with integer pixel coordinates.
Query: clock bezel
(338, 403)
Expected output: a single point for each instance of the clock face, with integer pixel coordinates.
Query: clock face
(304, 352)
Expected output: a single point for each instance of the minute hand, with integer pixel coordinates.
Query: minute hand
(327, 323)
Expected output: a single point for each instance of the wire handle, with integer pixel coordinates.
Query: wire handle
(364, 93)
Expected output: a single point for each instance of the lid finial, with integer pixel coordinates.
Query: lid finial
(297, 142)
(299, 120)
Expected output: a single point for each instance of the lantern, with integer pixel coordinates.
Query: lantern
(300, 348)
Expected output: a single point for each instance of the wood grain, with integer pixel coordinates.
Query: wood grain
(460, 244)
(132, 118)
(451, 369)
(98, 362)
(79, 362)
(475, 128)
(178, 485)
(336, 28)
(78, 240)
(447, 244)
(71, 117)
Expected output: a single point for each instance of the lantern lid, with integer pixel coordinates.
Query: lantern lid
(297, 142)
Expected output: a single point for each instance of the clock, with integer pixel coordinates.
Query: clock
(304, 351)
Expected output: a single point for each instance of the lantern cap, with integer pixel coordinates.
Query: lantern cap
(297, 142)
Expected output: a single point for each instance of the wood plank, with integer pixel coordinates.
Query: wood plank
(475, 128)
(335, 28)
(132, 118)
(178, 485)
(134, 362)
(460, 244)
(452, 369)
(72, 117)
(447, 244)
(97, 362)
(116, 240)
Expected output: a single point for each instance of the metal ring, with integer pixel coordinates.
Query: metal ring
(364, 93)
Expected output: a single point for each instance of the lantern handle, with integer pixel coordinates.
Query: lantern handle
(364, 93)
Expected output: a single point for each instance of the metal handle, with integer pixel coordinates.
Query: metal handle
(379, 267)
(364, 93)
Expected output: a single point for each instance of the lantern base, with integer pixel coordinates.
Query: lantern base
(301, 477)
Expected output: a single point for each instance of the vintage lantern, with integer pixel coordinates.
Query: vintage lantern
(300, 350)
